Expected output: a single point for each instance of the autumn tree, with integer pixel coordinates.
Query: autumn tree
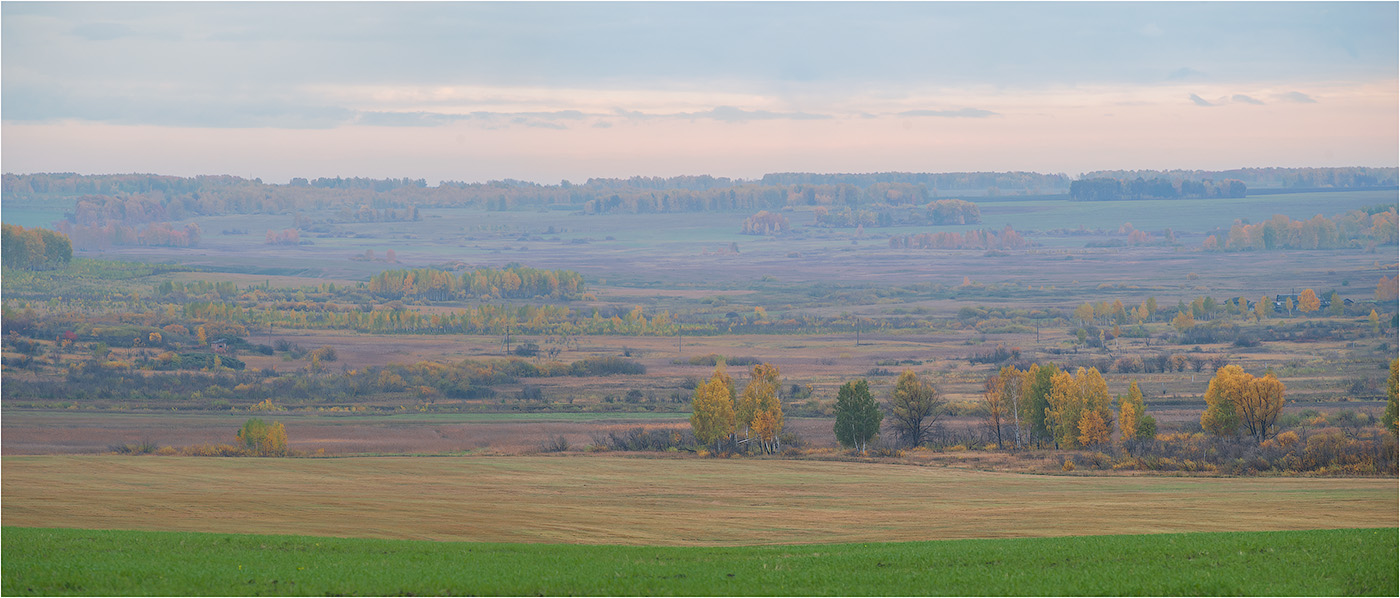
(1235, 398)
(1013, 387)
(1093, 430)
(1072, 398)
(1386, 288)
(916, 406)
(1308, 301)
(857, 416)
(261, 439)
(1392, 389)
(1183, 321)
(1084, 313)
(34, 248)
(712, 410)
(1062, 414)
(758, 408)
(997, 403)
(1260, 407)
(1133, 421)
(1262, 308)
(1336, 306)
(1035, 400)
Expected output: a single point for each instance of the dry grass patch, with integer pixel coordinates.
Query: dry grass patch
(614, 500)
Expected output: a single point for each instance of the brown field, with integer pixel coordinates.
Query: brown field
(1314, 372)
(42, 433)
(613, 500)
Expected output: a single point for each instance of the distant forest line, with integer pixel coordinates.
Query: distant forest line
(139, 209)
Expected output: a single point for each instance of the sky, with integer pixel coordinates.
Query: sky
(552, 91)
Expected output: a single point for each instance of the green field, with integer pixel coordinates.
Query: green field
(1189, 215)
(87, 562)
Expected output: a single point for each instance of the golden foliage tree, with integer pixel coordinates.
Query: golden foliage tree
(1093, 431)
(763, 382)
(766, 428)
(1065, 407)
(1071, 398)
(1308, 301)
(995, 408)
(1386, 289)
(712, 410)
(1130, 412)
(1236, 398)
(759, 409)
(1084, 313)
(1183, 321)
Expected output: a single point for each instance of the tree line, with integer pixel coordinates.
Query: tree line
(513, 281)
(1110, 189)
(1352, 229)
(1354, 177)
(973, 239)
(34, 248)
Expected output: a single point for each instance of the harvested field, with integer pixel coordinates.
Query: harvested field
(613, 500)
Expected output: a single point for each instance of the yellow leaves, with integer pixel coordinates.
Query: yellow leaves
(1072, 399)
(1128, 419)
(712, 410)
(1183, 321)
(1084, 313)
(1308, 301)
(1093, 431)
(765, 426)
(266, 405)
(260, 439)
(1236, 398)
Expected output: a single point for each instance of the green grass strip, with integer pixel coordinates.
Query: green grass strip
(97, 562)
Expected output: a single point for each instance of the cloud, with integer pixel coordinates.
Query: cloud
(1199, 101)
(1244, 99)
(537, 123)
(959, 113)
(26, 103)
(731, 114)
(101, 32)
(1298, 97)
(407, 119)
(1185, 73)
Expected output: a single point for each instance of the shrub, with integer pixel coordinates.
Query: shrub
(556, 444)
(606, 366)
(263, 440)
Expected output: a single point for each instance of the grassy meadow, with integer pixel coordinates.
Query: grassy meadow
(57, 562)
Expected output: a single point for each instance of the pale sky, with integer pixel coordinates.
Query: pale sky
(551, 91)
